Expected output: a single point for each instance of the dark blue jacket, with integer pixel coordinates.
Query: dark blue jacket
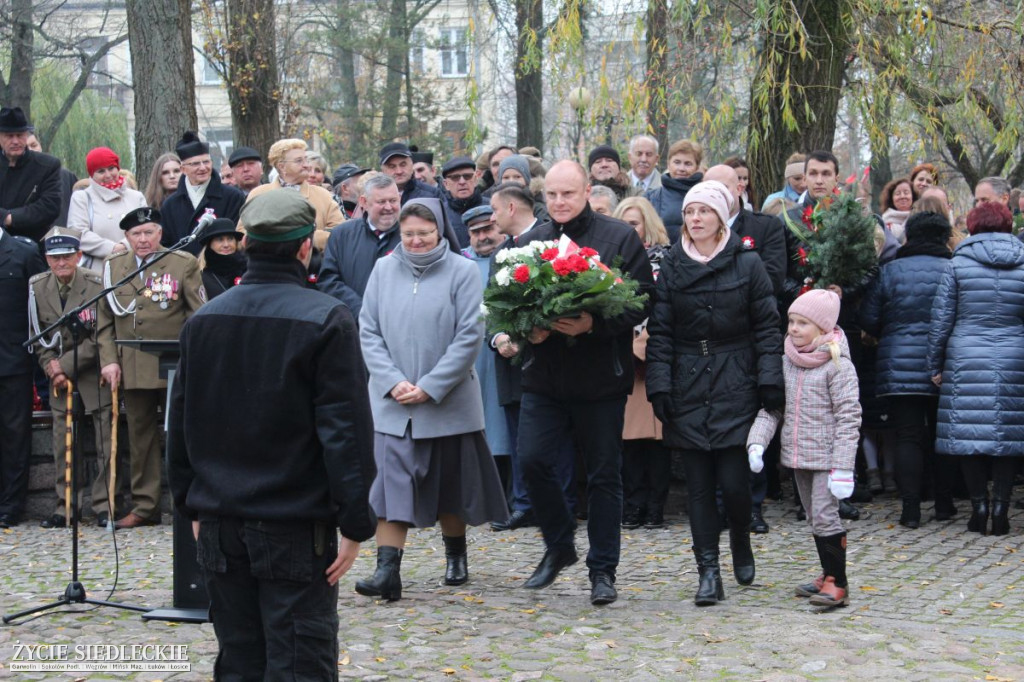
(351, 252)
(977, 342)
(19, 260)
(415, 189)
(896, 310)
(668, 202)
(179, 218)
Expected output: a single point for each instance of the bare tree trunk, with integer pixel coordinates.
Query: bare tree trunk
(397, 49)
(794, 99)
(657, 72)
(160, 34)
(528, 75)
(19, 86)
(254, 90)
(347, 87)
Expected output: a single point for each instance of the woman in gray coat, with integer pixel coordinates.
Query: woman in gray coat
(420, 331)
(976, 356)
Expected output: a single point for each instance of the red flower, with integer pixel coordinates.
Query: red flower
(806, 217)
(748, 242)
(522, 273)
(578, 263)
(561, 266)
(587, 252)
(549, 254)
(801, 253)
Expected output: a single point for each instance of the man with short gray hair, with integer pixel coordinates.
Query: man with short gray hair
(992, 189)
(643, 163)
(355, 246)
(603, 200)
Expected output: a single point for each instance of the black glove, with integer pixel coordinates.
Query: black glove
(772, 398)
(662, 403)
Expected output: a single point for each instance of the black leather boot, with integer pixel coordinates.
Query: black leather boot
(1000, 517)
(457, 570)
(911, 515)
(978, 522)
(742, 555)
(386, 581)
(710, 590)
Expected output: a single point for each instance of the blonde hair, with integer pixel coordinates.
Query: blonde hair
(691, 147)
(654, 228)
(282, 147)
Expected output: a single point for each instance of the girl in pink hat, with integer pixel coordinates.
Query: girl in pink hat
(820, 429)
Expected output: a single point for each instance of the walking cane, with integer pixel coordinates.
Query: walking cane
(112, 493)
(68, 454)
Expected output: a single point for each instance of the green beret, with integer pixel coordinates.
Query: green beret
(279, 215)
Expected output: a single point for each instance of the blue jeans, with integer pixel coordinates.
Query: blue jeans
(544, 425)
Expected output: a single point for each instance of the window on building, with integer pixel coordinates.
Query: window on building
(210, 74)
(454, 52)
(417, 46)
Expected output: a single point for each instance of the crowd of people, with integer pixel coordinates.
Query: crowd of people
(391, 407)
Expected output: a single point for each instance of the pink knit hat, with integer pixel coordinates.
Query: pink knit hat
(713, 194)
(820, 306)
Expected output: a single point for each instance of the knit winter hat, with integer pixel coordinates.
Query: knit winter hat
(928, 227)
(820, 306)
(101, 157)
(603, 152)
(713, 194)
(515, 162)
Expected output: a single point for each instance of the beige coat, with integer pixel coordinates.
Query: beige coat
(328, 214)
(148, 321)
(97, 212)
(640, 421)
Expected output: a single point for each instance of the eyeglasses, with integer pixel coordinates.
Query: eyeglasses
(702, 211)
(197, 164)
(460, 177)
(409, 236)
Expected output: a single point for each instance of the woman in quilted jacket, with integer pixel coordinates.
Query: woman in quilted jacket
(976, 357)
(820, 430)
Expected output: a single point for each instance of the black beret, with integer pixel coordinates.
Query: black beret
(139, 216)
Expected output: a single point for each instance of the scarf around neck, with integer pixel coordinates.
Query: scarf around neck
(690, 249)
(814, 354)
(115, 185)
(421, 261)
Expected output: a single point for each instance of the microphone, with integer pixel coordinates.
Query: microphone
(208, 217)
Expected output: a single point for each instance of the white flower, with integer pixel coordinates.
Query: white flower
(483, 309)
(503, 277)
(502, 256)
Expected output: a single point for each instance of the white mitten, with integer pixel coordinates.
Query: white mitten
(755, 455)
(840, 483)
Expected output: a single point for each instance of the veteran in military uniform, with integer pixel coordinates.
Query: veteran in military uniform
(152, 306)
(64, 287)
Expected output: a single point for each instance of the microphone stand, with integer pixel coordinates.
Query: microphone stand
(75, 592)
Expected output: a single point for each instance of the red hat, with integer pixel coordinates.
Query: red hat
(101, 157)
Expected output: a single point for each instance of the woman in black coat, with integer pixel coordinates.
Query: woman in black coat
(714, 358)
(223, 262)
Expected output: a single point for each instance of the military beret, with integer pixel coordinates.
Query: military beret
(62, 240)
(139, 216)
(478, 216)
(279, 215)
(457, 163)
(243, 154)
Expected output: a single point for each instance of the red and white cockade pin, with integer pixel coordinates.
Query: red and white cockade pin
(748, 243)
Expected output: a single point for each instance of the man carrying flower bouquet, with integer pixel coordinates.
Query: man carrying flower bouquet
(576, 376)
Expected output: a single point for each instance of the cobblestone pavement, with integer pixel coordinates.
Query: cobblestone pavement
(933, 604)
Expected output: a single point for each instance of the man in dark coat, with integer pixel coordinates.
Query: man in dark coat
(580, 387)
(356, 245)
(199, 189)
(461, 193)
(396, 161)
(29, 181)
(297, 445)
(67, 183)
(19, 261)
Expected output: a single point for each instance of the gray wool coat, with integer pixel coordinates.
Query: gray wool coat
(425, 330)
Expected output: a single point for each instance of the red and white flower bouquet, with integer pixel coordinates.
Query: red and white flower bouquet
(543, 281)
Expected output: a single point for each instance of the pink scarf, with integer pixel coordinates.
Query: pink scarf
(814, 354)
(690, 250)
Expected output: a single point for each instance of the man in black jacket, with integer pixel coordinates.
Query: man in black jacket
(29, 181)
(199, 189)
(19, 261)
(272, 479)
(581, 388)
(356, 245)
(396, 161)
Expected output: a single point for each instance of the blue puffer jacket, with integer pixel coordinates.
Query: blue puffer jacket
(896, 310)
(977, 342)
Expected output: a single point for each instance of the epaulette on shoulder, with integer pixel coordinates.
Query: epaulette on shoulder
(39, 277)
(23, 240)
(90, 276)
(117, 255)
(185, 255)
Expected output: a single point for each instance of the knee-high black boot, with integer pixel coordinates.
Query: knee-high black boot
(457, 570)
(834, 590)
(710, 590)
(386, 581)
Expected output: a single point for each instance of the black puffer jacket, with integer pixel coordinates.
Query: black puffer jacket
(715, 339)
(598, 365)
